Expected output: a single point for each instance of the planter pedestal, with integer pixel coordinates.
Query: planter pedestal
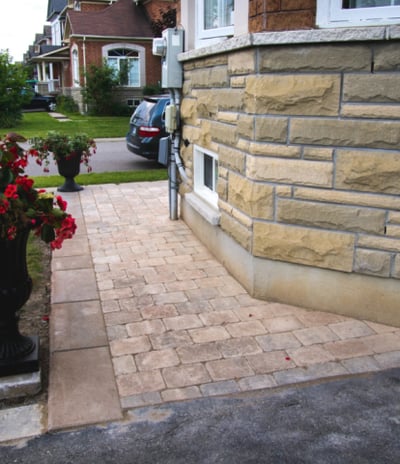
(18, 353)
(69, 168)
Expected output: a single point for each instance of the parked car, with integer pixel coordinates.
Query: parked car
(39, 102)
(147, 126)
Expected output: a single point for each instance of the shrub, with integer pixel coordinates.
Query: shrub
(98, 93)
(66, 104)
(12, 97)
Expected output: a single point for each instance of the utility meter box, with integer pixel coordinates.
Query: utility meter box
(171, 71)
(164, 149)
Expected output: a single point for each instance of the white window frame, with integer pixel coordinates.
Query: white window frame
(141, 51)
(191, 20)
(75, 66)
(211, 33)
(200, 188)
(330, 13)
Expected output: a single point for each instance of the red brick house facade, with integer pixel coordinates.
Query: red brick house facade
(86, 33)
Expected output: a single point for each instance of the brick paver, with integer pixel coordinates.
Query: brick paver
(179, 326)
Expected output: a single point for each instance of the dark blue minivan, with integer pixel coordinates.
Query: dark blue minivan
(147, 126)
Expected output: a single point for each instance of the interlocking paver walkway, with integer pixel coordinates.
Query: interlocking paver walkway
(178, 325)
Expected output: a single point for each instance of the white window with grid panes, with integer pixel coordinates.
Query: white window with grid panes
(206, 175)
(347, 13)
(214, 19)
(128, 62)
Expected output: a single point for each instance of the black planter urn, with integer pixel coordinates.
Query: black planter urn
(18, 353)
(69, 167)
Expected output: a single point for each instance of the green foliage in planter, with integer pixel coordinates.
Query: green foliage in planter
(34, 258)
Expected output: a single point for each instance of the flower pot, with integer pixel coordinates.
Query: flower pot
(18, 353)
(69, 167)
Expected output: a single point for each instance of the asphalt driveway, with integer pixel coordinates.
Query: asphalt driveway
(353, 420)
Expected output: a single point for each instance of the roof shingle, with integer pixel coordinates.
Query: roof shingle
(120, 19)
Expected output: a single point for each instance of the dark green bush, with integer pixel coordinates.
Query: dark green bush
(12, 97)
(66, 104)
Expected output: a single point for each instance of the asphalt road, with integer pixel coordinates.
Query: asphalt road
(354, 420)
(111, 155)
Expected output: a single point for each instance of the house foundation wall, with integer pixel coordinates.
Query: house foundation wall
(307, 136)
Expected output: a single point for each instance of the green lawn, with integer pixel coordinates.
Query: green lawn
(39, 123)
(104, 178)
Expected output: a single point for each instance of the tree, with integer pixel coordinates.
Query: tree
(166, 19)
(12, 82)
(98, 92)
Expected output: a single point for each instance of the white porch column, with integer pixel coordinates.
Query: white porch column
(51, 78)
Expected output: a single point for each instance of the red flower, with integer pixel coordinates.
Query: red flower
(25, 182)
(11, 191)
(4, 205)
(11, 233)
(61, 203)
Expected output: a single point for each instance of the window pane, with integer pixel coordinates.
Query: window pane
(217, 13)
(369, 3)
(208, 172)
(134, 74)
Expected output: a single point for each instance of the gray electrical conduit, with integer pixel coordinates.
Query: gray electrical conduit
(175, 97)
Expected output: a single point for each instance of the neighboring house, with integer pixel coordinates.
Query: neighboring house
(91, 32)
(291, 124)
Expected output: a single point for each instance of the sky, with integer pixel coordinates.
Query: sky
(20, 21)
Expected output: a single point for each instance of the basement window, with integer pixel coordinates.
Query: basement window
(206, 175)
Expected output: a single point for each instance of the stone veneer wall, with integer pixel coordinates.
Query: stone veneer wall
(306, 126)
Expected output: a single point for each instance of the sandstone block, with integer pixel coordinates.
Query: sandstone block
(312, 173)
(271, 129)
(368, 134)
(378, 243)
(231, 158)
(216, 76)
(223, 133)
(394, 217)
(229, 99)
(349, 198)
(275, 150)
(302, 245)
(393, 230)
(320, 154)
(222, 189)
(246, 126)
(328, 216)
(212, 61)
(387, 57)
(243, 62)
(372, 171)
(236, 230)
(372, 262)
(315, 58)
(377, 88)
(283, 191)
(188, 111)
(353, 110)
(396, 269)
(298, 95)
(227, 116)
(206, 105)
(238, 82)
(253, 198)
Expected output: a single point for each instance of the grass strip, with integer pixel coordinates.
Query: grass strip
(95, 178)
(37, 124)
